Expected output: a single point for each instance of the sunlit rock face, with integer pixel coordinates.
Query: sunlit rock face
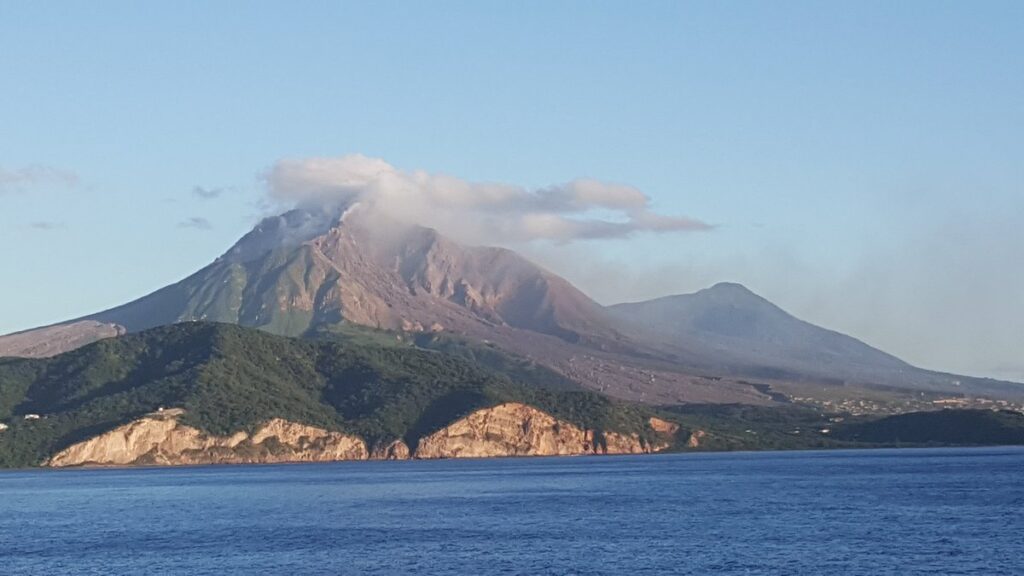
(161, 439)
(514, 429)
(511, 429)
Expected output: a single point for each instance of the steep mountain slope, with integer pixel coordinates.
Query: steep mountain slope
(305, 268)
(228, 379)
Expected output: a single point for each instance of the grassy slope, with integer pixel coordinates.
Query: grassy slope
(944, 427)
(230, 378)
(739, 427)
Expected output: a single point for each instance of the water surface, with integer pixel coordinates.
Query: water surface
(943, 511)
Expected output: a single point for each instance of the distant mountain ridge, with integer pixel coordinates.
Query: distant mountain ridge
(732, 321)
(311, 269)
(738, 332)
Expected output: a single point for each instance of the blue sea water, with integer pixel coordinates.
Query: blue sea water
(941, 511)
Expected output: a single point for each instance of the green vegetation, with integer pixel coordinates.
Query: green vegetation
(944, 427)
(490, 356)
(229, 378)
(384, 386)
(794, 427)
(744, 427)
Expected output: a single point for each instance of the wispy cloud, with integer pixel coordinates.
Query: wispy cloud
(18, 179)
(196, 223)
(47, 225)
(476, 211)
(207, 193)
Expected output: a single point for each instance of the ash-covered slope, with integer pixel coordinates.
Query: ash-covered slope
(56, 339)
(309, 268)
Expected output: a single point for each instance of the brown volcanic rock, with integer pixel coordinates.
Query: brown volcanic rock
(415, 276)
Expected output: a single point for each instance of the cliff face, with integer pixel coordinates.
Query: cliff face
(161, 439)
(510, 429)
(519, 430)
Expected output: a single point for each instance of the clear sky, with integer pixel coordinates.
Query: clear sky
(862, 162)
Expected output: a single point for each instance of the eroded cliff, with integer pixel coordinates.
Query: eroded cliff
(509, 429)
(161, 439)
(514, 429)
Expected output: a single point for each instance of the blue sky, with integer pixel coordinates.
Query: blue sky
(861, 161)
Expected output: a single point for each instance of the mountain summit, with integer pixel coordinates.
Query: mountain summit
(310, 268)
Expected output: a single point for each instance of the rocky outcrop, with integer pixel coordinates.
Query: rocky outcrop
(161, 439)
(663, 427)
(396, 450)
(514, 429)
(695, 439)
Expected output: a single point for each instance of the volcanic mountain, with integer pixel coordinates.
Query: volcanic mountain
(310, 270)
(306, 269)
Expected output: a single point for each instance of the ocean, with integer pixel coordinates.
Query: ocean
(876, 512)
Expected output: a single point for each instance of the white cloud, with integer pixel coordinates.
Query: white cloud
(479, 212)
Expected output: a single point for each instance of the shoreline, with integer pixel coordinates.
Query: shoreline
(890, 448)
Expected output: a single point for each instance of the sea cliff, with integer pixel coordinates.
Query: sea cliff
(509, 429)
(514, 429)
(162, 439)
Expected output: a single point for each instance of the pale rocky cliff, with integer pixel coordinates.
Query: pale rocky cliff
(161, 439)
(514, 429)
(509, 429)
